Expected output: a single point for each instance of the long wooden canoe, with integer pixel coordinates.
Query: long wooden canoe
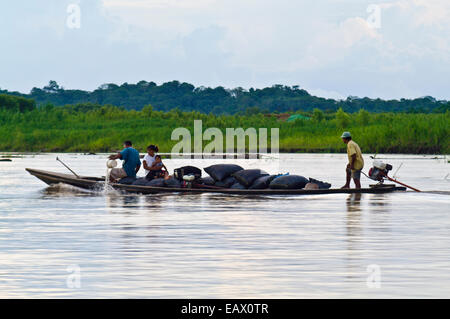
(98, 183)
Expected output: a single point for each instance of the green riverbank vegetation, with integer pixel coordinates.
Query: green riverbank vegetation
(102, 128)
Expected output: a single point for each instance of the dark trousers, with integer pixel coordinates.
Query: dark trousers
(154, 174)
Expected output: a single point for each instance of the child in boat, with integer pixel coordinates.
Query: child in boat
(158, 172)
(158, 163)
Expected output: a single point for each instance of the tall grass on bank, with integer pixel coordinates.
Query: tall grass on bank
(103, 129)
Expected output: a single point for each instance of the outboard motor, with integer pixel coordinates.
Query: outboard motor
(179, 173)
(187, 175)
(379, 170)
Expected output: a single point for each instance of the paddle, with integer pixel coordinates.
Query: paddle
(396, 181)
(67, 167)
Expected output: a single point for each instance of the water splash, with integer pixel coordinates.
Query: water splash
(107, 188)
(107, 176)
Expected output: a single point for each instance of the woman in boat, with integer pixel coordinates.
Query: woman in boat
(153, 164)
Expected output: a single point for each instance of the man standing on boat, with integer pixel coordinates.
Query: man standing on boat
(355, 161)
(131, 162)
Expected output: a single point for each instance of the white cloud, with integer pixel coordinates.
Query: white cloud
(152, 4)
(422, 12)
(326, 45)
(333, 45)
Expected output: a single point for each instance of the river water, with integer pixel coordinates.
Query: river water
(64, 242)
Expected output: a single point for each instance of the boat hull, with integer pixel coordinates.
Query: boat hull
(85, 182)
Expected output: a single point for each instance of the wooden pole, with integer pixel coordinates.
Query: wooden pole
(67, 167)
(396, 181)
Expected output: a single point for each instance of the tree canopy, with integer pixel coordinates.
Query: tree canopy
(219, 100)
(16, 103)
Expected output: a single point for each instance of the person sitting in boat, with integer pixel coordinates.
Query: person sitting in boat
(162, 172)
(153, 164)
(355, 161)
(131, 162)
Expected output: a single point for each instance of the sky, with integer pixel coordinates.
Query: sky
(332, 48)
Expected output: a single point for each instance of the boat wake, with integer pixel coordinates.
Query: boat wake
(62, 189)
(65, 189)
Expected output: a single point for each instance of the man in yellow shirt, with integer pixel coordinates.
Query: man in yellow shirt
(355, 161)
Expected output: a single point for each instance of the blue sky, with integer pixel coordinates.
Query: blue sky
(332, 48)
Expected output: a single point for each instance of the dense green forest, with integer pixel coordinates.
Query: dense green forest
(219, 100)
(97, 128)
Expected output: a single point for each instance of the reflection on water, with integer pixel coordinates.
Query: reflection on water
(353, 235)
(215, 245)
(353, 220)
(354, 203)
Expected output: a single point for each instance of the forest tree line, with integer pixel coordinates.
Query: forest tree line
(219, 100)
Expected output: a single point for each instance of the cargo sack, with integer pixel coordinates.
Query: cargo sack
(311, 186)
(172, 183)
(222, 171)
(289, 182)
(226, 183)
(238, 185)
(247, 176)
(263, 182)
(140, 181)
(187, 170)
(157, 182)
(127, 180)
(322, 185)
(207, 181)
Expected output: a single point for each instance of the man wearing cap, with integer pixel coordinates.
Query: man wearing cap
(355, 161)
